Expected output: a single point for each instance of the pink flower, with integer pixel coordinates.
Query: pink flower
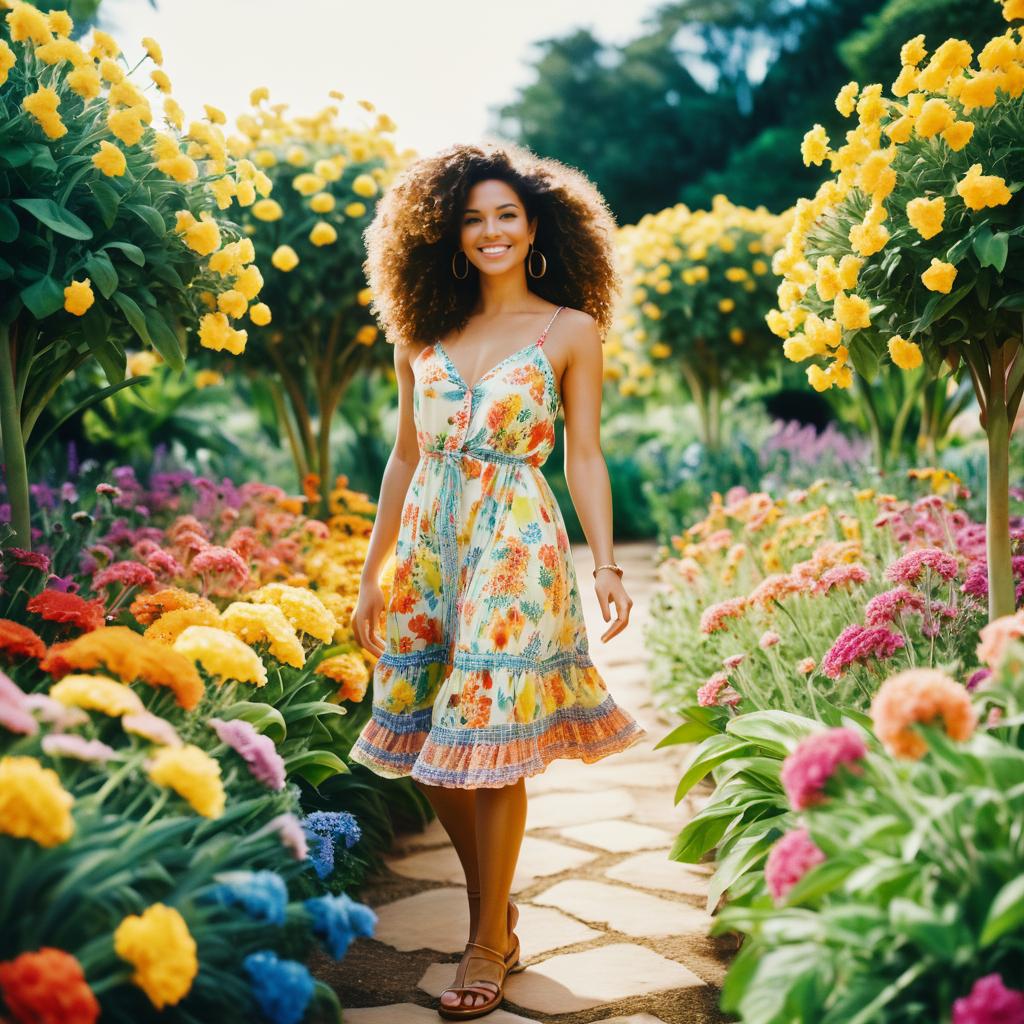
(733, 661)
(58, 744)
(164, 564)
(997, 636)
(151, 727)
(990, 1002)
(54, 713)
(222, 562)
(714, 617)
(717, 691)
(130, 574)
(773, 589)
(978, 677)
(858, 645)
(769, 638)
(29, 559)
(291, 834)
(841, 576)
(789, 860)
(258, 751)
(14, 711)
(886, 607)
(805, 666)
(815, 760)
(909, 567)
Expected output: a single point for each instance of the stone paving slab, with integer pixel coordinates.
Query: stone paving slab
(412, 1013)
(556, 809)
(618, 836)
(656, 871)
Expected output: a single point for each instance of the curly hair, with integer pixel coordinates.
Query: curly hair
(417, 227)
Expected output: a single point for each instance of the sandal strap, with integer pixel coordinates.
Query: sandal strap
(499, 956)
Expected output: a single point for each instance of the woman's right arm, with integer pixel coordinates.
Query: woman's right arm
(398, 474)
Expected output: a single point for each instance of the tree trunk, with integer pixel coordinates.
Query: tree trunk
(1001, 597)
(15, 466)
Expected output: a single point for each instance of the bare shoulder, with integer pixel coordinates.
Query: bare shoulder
(578, 333)
(407, 353)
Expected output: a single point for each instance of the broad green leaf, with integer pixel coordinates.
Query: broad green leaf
(133, 252)
(687, 732)
(311, 709)
(1006, 913)
(9, 226)
(107, 199)
(165, 341)
(264, 718)
(778, 730)
(316, 766)
(711, 752)
(55, 217)
(101, 270)
(992, 249)
(938, 306)
(150, 217)
(6, 270)
(133, 315)
(44, 297)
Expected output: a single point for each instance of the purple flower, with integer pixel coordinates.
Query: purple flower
(990, 1002)
(325, 828)
(858, 645)
(258, 751)
(978, 677)
(338, 920)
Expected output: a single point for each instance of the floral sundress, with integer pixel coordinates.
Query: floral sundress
(486, 675)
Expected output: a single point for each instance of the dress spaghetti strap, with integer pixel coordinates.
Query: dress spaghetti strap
(540, 340)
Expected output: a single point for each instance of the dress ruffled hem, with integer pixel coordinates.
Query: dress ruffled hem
(400, 745)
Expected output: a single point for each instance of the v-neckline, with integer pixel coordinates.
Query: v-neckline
(483, 377)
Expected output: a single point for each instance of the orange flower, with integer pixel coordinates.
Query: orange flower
(147, 608)
(18, 641)
(997, 636)
(920, 695)
(167, 628)
(58, 606)
(130, 657)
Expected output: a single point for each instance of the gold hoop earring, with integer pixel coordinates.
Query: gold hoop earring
(460, 277)
(529, 262)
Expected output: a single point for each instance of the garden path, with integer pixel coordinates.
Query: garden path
(612, 931)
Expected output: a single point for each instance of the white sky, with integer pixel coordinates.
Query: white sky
(434, 66)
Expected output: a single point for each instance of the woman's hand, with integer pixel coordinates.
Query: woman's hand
(366, 617)
(609, 588)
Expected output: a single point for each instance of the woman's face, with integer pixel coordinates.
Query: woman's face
(494, 218)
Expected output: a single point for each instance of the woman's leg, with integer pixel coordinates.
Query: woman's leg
(500, 823)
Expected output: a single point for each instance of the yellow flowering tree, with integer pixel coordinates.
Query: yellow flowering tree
(308, 239)
(698, 282)
(908, 252)
(106, 222)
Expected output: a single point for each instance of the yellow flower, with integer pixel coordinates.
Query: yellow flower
(267, 209)
(980, 190)
(979, 90)
(296, 156)
(323, 233)
(60, 22)
(285, 258)
(355, 209)
(259, 314)
(222, 655)
(958, 134)
(868, 237)
(26, 22)
(214, 114)
(158, 945)
(936, 116)
(126, 124)
(255, 623)
(232, 302)
(223, 189)
(926, 215)
(364, 296)
(97, 693)
(62, 50)
(160, 79)
(726, 305)
(103, 44)
(33, 804)
(208, 379)
(249, 282)
(322, 202)
(7, 60)
(216, 333)
(111, 70)
(109, 159)
(173, 112)
(308, 184)
(301, 607)
(814, 147)
(367, 334)
(846, 98)
(939, 276)
(78, 297)
(327, 169)
(156, 55)
(256, 96)
(246, 193)
(42, 105)
(913, 52)
(905, 354)
(203, 236)
(851, 311)
(364, 185)
(138, 364)
(180, 168)
(191, 773)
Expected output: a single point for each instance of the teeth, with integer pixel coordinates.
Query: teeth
(494, 248)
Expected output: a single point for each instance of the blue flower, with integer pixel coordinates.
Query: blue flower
(282, 988)
(324, 828)
(261, 894)
(338, 920)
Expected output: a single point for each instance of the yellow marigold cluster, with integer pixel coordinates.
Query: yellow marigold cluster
(33, 803)
(301, 607)
(169, 626)
(158, 944)
(222, 655)
(192, 774)
(97, 693)
(265, 623)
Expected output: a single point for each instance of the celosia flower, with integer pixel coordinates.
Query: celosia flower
(127, 574)
(151, 727)
(301, 607)
(158, 945)
(997, 636)
(147, 608)
(221, 654)
(887, 607)
(15, 715)
(350, 671)
(841, 576)
(282, 988)
(714, 618)
(33, 803)
(774, 588)
(859, 645)
(338, 920)
(18, 641)
(58, 744)
(789, 860)
(258, 751)
(910, 567)
(732, 661)
(192, 774)
(225, 564)
(805, 666)
(990, 1002)
(769, 638)
(814, 761)
(97, 693)
(920, 695)
(47, 986)
(717, 691)
(59, 606)
(261, 894)
(255, 623)
(324, 828)
(29, 559)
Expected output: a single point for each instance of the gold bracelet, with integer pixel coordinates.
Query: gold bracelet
(614, 566)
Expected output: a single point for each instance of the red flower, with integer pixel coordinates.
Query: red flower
(56, 606)
(48, 987)
(54, 662)
(17, 640)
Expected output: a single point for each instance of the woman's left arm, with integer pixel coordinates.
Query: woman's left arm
(585, 470)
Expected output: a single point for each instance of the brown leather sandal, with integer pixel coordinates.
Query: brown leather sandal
(483, 987)
(512, 957)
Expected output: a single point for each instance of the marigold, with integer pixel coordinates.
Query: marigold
(939, 276)
(193, 775)
(18, 641)
(905, 354)
(147, 608)
(350, 671)
(926, 215)
(96, 693)
(920, 695)
(33, 803)
(980, 190)
(301, 607)
(222, 655)
(285, 258)
(158, 945)
(47, 986)
(169, 627)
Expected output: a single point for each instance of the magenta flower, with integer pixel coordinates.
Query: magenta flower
(129, 574)
(886, 607)
(841, 576)
(258, 751)
(908, 568)
(215, 560)
(29, 559)
(990, 1002)
(789, 860)
(814, 761)
(859, 645)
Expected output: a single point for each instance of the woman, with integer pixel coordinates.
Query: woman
(484, 677)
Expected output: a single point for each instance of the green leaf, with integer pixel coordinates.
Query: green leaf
(687, 732)
(865, 362)
(9, 226)
(133, 252)
(151, 218)
(1006, 913)
(992, 249)
(777, 730)
(938, 306)
(265, 718)
(6, 270)
(311, 709)
(711, 752)
(101, 270)
(316, 766)
(165, 341)
(17, 154)
(55, 217)
(107, 199)
(44, 297)
(133, 315)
